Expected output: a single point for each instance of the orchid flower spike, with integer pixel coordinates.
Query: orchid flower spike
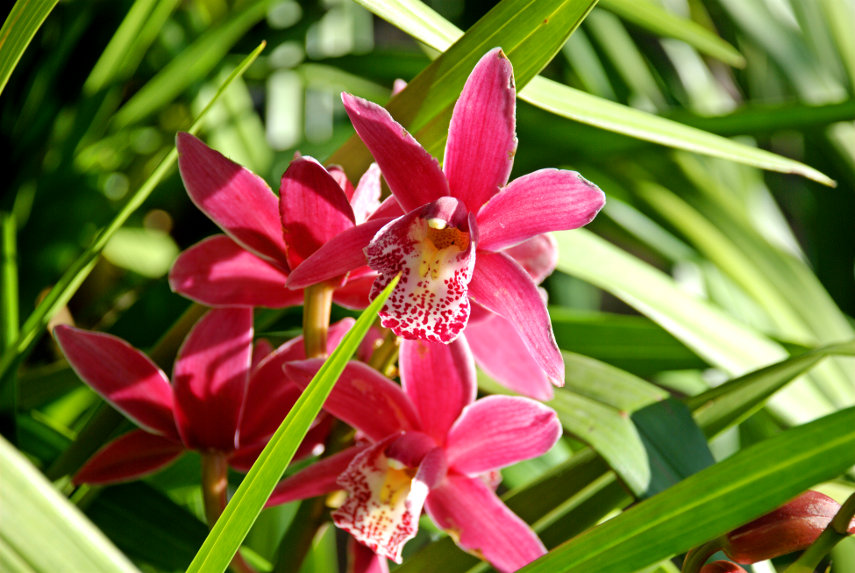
(428, 444)
(452, 244)
(226, 395)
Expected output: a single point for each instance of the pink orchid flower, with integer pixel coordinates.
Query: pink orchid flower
(226, 395)
(430, 445)
(265, 236)
(451, 245)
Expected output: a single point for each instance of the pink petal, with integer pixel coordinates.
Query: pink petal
(383, 504)
(538, 256)
(440, 381)
(210, 379)
(355, 292)
(270, 395)
(502, 354)
(363, 398)
(341, 254)
(122, 375)
(388, 208)
(366, 196)
(236, 199)
(433, 248)
(412, 174)
(363, 560)
(502, 286)
(129, 457)
(317, 479)
(313, 207)
(313, 444)
(260, 351)
(482, 524)
(481, 140)
(219, 272)
(337, 173)
(543, 201)
(498, 431)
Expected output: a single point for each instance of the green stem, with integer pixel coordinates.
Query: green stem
(9, 320)
(836, 531)
(215, 482)
(316, 319)
(697, 556)
(384, 356)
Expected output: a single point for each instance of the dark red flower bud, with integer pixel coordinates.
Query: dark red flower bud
(792, 527)
(722, 567)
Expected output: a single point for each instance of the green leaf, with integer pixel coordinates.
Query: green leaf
(192, 64)
(243, 509)
(711, 333)
(633, 343)
(41, 531)
(657, 20)
(21, 25)
(127, 46)
(529, 31)
(724, 406)
(73, 277)
(713, 501)
(429, 27)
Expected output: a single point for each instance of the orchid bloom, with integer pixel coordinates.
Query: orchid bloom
(451, 245)
(430, 445)
(226, 396)
(265, 237)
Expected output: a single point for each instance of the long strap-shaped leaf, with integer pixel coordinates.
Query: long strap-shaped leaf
(712, 502)
(233, 525)
(20, 26)
(68, 284)
(427, 26)
(40, 530)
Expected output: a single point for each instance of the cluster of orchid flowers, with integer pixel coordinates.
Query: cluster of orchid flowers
(470, 249)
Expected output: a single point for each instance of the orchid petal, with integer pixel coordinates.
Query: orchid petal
(312, 445)
(341, 254)
(129, 457)
(317, 479)
(210, 378)
(122, 375)
(498, 431)
(355, 292)
(366, 197)
(542, 201)
(270, 395)
(501, 353)
(440, 381)
(481, 140)
(236, 199)
(363, 398)
(501, 285)
(340, 177)
(260, 351)
(433, 248)
(538, 256)
(389, 208)
(363, 560)
(384, 501)
(314, 208)
(412, 174)
(219, 272)
(480, 523)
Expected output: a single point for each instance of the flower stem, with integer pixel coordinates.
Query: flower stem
(316, 319)
(697, 556)
(215, 481)
(836, 531)
(384, 356)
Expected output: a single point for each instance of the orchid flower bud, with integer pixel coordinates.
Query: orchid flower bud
(792, 527)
